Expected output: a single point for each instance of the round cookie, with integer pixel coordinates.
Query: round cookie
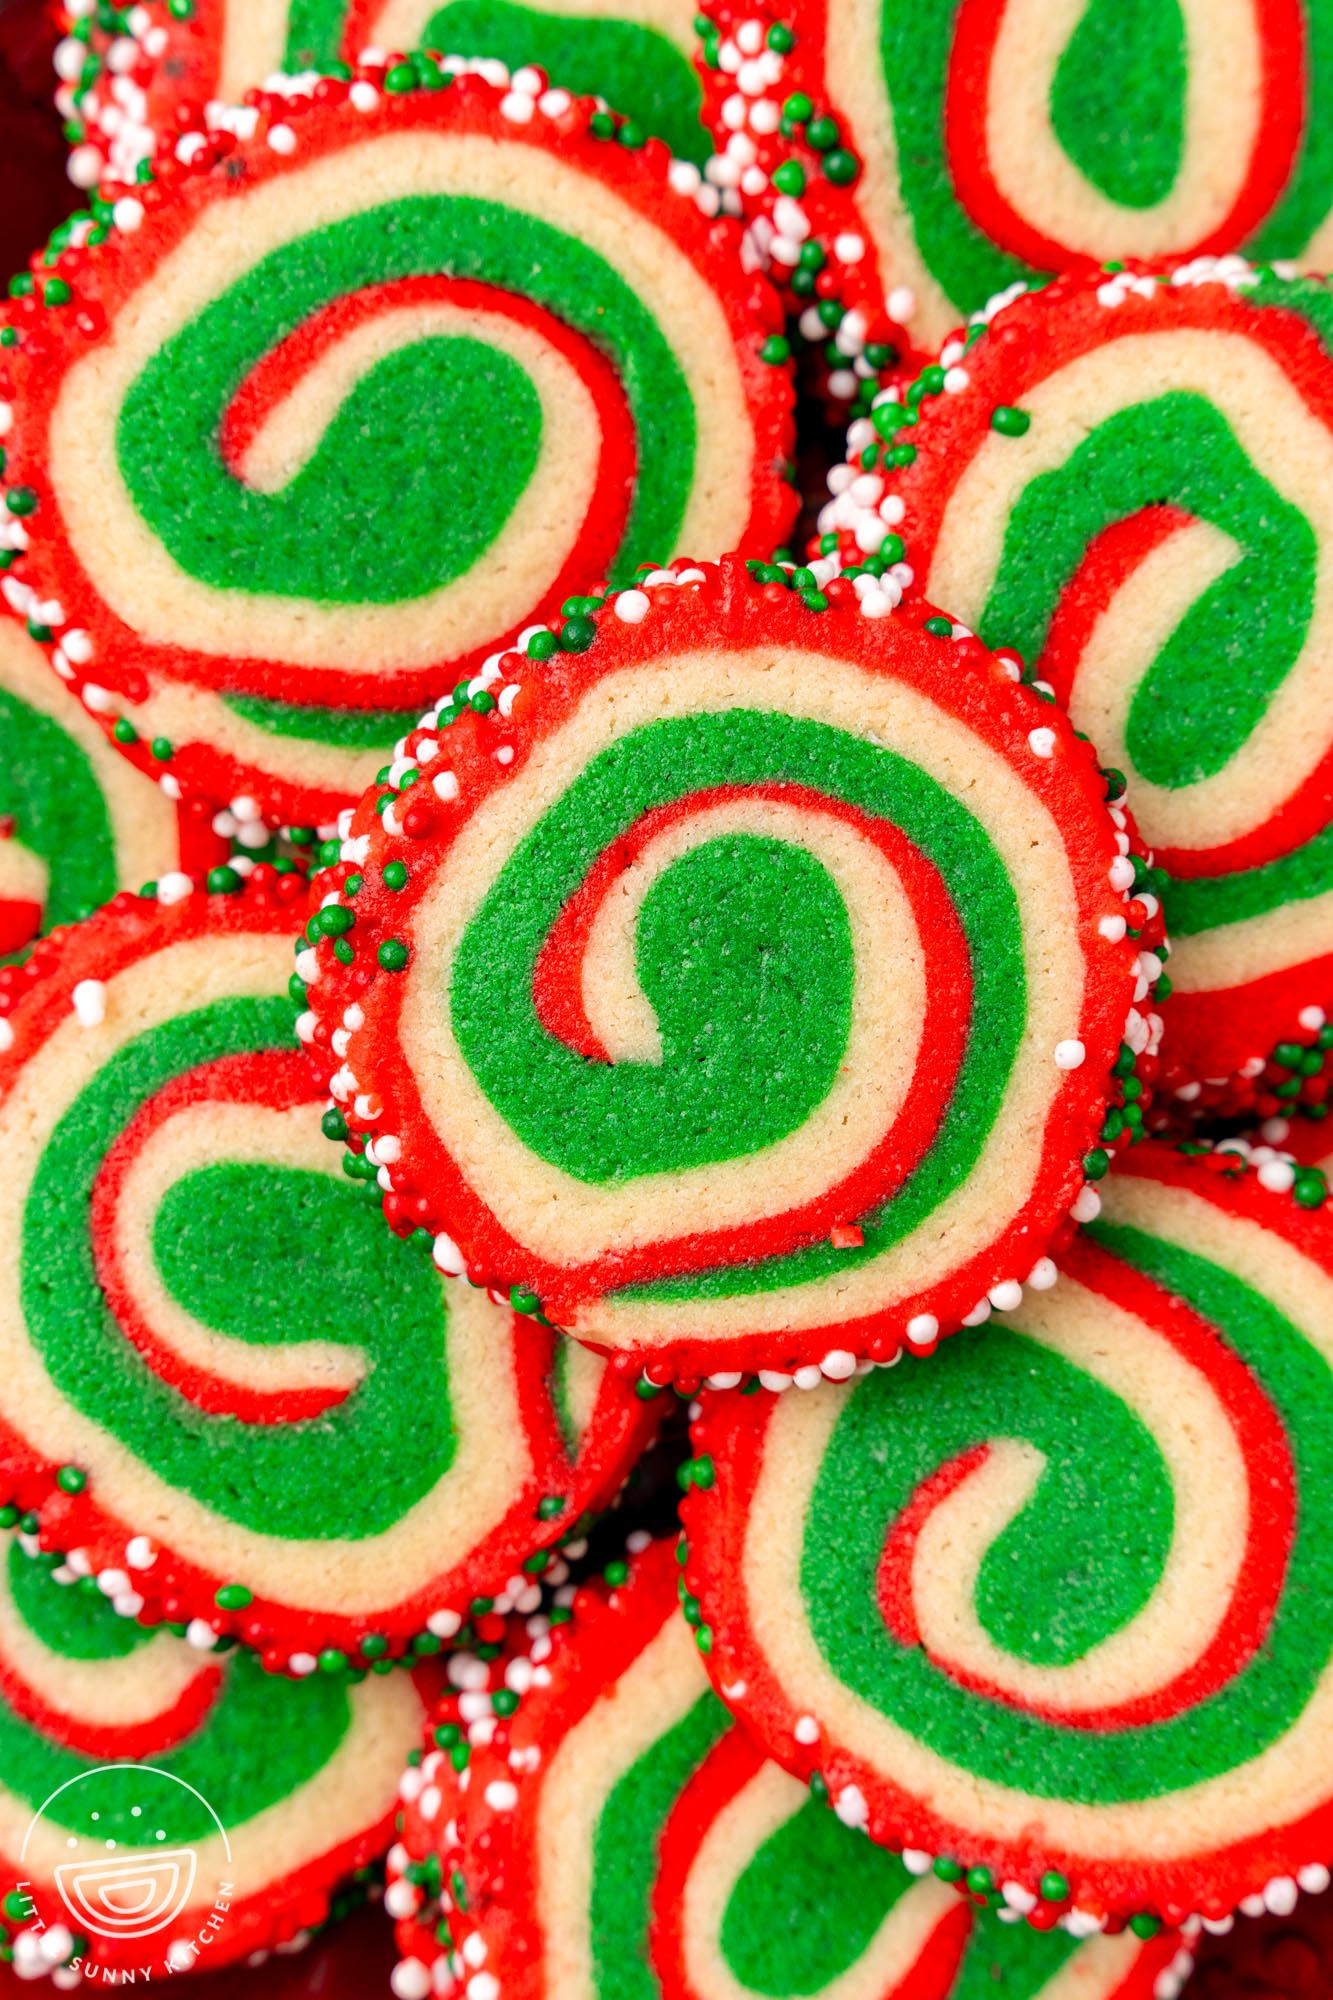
(934, 155)
(1045, 1611)
(75, 823)
(230, 1394)
(637, 56)
(233, 1804)
(618, 1833)
(219, 392)
(1125, 477)
(855, 1109)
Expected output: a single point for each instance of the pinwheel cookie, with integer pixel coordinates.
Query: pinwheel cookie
(1126, 477)
(1047, 1612)
(305, 427)
(229, 1392)
(76, 823)
(743, 976)
(636, 55)
(162, 1811)
(620, 1833)
(935, 154)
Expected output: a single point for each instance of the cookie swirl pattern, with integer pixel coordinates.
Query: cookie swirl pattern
(269, 1793)
(75, 823)
(932, 156)
(619, 1834)
(697, 975)
(1125, 477)
(216, 488)
(1042, 1613)
(635, 54)
(228, 1391)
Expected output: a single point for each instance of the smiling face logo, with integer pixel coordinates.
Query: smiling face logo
(132, 1837)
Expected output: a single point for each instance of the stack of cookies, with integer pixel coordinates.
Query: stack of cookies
(666, 1278)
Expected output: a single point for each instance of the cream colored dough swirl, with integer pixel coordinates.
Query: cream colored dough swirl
(115, 1693)
(653, 1694)
(1279, 1785)
(23, 874)
(855, 69)
(889, 1007)
(188, 714)
(1285, 442)
(566, 1220)
(254, 45)
(732, 1840)
(143, 821)
(358, 1577)
(1189, 1424)
(1223, 61)
(571, 442)
(348, 1796)
(142, 583)
(1030, 168)
(195, 1138)
(577, 1376)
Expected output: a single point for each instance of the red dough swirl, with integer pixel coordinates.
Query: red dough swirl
(691, 972)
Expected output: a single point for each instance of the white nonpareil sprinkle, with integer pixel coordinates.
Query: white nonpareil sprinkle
(410, 1979)
(632, 606)
(89, 1002)
(850, 1806)
(1018, 1898)
(401, 1899)
(448, 1257)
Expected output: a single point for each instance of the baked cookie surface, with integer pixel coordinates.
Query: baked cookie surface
(215, 465)
(224, 1382)
(744, 977)
(1044, 1611)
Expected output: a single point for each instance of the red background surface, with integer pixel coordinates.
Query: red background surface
(1270, 1960)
